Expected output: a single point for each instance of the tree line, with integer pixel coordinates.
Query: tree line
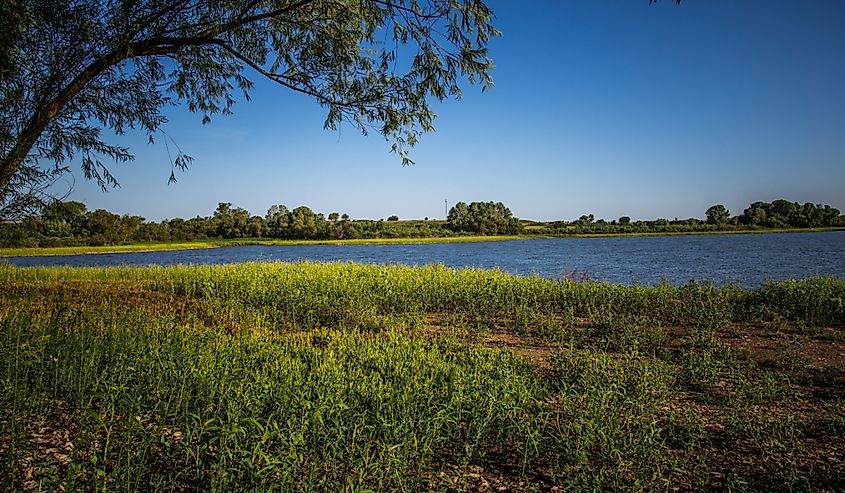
(779, 214)
(71, 224)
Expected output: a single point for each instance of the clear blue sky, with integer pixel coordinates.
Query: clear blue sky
(604, 107)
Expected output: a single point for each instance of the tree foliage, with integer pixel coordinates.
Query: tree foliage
(782, 214)
(71, 223)
(717, 214)
(230, 221)
(486, 218)
(759, 215)
(70, 69)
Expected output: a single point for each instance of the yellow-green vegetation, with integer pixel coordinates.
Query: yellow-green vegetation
(80, 250)
(347, 377)
(151, 247)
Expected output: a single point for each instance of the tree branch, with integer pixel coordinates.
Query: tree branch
(47, 111)
(280, 78)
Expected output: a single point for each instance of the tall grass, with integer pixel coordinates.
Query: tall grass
(162, 405)
(309, 294)
(327, 377)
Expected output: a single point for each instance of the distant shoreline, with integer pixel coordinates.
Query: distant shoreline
(217, 243)
(701, 233)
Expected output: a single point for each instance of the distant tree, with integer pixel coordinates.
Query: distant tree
(459, 218)
(200, 227)
(830, 216)
(303, 223)
(153, 231)
(784, 208)
(755, 214)
(624, 220)
(483, 218)
(71, 213)
(278, 220)
(106, 228)
(231, 221)
(586, 219)
(783, 213)
(393, 218)
(344, 217)
(717, 214)
(256, 227)
(102, 226)
(54, 230)
(335, 230)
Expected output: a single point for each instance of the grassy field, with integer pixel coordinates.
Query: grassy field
(346, 377)
(150, 247)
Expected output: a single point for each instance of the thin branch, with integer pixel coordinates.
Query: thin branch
(417, 14)
(155, 16)
(241, 21)
(283, 80)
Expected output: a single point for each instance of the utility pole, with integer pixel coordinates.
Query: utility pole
(446, 208)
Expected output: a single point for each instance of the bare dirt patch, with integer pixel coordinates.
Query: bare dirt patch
(535, 351)
(50, 297)
(536, 354)
(778, 346)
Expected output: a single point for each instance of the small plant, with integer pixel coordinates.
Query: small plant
(704, 360)
(631, 334)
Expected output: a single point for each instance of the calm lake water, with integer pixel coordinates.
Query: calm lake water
(747, 259)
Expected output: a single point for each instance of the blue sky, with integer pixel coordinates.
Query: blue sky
(605, 107)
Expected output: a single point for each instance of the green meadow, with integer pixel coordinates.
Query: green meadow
(348, 377)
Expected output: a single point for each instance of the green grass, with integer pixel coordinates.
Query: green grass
(79, 250)
(347, 377)
(149, 247)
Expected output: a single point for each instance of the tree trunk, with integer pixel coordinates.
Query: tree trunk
(12, 162)
(46, 113)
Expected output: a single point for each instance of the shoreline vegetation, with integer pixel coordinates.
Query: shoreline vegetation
(219, 243)
(68, 228)
(203, 244)
(348, 377)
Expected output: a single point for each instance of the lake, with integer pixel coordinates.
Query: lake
(746, 259)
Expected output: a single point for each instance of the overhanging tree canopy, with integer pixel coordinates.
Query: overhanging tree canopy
(71, 68)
